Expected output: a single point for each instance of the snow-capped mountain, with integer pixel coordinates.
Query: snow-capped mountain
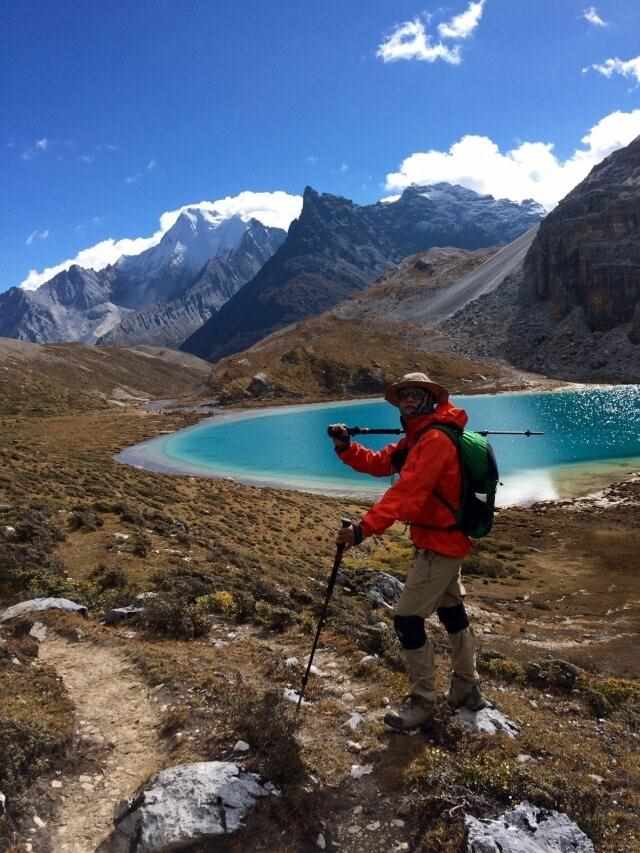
(202, 260)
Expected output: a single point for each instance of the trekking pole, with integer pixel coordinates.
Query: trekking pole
(356, 430)
(346, 522)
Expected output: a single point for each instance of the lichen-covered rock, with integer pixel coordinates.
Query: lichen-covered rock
(186, 804)
(553, 673)
(487, 721)
(526, 829)
(39, 604)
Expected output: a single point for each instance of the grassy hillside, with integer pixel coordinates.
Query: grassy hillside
(48, 379)
(353, 349)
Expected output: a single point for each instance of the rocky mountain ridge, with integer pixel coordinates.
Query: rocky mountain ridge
(573, 310)
(337, 248)
(158, 297)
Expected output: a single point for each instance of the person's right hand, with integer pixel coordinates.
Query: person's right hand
(340, 435)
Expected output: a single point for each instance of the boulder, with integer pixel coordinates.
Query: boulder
(488, 721)
(553, 673)
(184, 805)
(384, 589)
(260, 384)
(526, 829)
(38, 604)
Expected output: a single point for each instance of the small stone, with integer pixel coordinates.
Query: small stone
(39, 631)
(56, 783)
(397, 822)
(354, 746)
(39, 822)
(321, 842)
(360, 770)
(241, 746)
(354, 721)
(385, 701)
(84, 778)
(348, 697)
(373, 825)
(595, 778)
(291, 662)
(354, 830)
(523, 758)
(358, 810)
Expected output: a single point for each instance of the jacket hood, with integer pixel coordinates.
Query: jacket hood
(445, 413)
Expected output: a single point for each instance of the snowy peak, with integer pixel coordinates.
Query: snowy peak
(196, 236)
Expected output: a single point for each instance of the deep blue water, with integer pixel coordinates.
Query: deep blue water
(292, 445)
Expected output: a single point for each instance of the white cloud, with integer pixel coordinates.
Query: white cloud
(36, 235)
(592, 16)
(626, 68)
(411, 41)
(463, 25)
(312, 159)
(275, 209)
(531, 170)
(38, 147)
(344, 167)
(87, 158)
(151, 165)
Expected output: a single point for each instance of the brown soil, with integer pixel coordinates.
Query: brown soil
(117, 720)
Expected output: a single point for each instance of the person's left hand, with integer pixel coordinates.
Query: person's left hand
(349, 536)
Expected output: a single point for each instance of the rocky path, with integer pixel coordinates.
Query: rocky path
(114, 716)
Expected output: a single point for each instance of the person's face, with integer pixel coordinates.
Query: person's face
(410, 400)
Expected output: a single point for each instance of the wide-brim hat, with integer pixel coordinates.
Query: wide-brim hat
(415, 380)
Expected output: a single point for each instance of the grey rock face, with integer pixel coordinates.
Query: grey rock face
(587, 252)
(337, 248)
(526, 829)
(39, 604)
(186, 804)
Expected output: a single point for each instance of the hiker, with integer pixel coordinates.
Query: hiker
(426, 496)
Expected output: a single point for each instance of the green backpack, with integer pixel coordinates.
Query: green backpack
(479, 481)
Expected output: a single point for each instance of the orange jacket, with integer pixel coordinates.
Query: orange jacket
(432, 466)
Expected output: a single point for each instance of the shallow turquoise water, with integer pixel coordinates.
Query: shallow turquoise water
(290, 446)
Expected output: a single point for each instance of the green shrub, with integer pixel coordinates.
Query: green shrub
(268, 723)
(172, 616)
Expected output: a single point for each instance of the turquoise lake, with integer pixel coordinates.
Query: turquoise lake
(590, 437)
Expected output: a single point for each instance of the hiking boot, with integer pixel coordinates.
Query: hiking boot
(412, 712)
(466, 694)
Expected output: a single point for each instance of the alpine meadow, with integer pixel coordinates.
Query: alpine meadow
(320, 427)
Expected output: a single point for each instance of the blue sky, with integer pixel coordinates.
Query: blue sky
(113, 114)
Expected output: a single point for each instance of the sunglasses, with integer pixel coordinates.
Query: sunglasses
(412, 393)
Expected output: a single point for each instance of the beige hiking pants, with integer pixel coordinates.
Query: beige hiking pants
(434, 581)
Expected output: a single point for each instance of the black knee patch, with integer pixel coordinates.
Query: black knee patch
(454, 619)
(410, 631)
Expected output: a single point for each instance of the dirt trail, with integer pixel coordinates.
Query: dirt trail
(114, 713)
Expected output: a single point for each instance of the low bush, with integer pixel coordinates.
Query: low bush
(170, 615)
(268, 723)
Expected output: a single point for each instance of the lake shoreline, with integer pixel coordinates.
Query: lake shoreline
(561, 481)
